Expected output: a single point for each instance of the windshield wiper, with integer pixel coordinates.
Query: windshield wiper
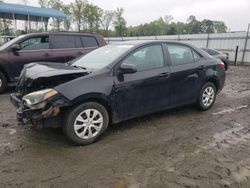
(79, 67)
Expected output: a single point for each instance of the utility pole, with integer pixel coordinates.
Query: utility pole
(245, 46)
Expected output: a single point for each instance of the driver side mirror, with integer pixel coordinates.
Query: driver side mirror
(127, 68)
(15, 47)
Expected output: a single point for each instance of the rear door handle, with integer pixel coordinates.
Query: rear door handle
(164, 75)
(79, 53)
(46, 54)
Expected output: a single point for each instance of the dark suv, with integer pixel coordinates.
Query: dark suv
(43, 47)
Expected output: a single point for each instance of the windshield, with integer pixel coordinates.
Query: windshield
(101, 57)
(6, 45)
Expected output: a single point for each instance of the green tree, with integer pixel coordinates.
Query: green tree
(120, 22)
(93, 16)
(5, 25)
(43, 3)
(55, 4)
(207, 26)
(1, 23)
(106, 20)
(78, 11)
(172, 29)
(181, 28)
(66, 9)
(220, 27)
(194, 26)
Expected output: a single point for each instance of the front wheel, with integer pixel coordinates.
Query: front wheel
(207, 96)
(3, 82)
(85, 123)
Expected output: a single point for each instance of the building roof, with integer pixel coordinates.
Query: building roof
(21, 12)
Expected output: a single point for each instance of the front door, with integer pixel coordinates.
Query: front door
(34, 49)
(147, 90)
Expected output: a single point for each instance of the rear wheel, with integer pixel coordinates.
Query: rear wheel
(207, 96)
(3, 82)
(226, 66)
(85, 123)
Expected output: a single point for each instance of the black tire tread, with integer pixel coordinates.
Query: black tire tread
(4, 82)
(199, 104)
(70, 116)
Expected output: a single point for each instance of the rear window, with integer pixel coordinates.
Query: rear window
(64, 41)
(213, 52)
(210, 51)
(89, 41)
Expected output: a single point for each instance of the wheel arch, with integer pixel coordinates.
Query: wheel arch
(215, 81)
(5, 73)
(98, 98)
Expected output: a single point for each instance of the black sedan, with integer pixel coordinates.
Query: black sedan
(115, 83)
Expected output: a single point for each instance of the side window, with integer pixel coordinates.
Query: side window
(89, 41)
(181, 54)
(35, 43)
(146, 58)
(64, 41)
(78, 42)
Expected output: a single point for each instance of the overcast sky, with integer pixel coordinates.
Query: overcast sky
(235, 13)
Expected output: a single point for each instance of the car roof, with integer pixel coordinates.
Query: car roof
(138, 42)
(60, 33)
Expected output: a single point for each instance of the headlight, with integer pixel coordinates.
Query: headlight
(38, 99)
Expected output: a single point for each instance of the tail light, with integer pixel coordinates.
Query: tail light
(222, 65)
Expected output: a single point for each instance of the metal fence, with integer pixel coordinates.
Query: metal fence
(224, 42)
(4, 39)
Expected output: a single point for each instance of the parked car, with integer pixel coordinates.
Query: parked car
(219, 55)
(45, 47)
(115, 83)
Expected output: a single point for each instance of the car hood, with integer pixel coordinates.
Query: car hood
(37, 76)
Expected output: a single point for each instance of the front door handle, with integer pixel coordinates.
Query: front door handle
(201, 67)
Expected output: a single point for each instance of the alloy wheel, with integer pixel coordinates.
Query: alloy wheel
(88, 123)
(208, 96)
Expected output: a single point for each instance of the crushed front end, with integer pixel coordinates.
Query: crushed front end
(40, 107)
(36, 100)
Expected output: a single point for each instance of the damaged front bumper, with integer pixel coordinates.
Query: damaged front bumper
(43, 116)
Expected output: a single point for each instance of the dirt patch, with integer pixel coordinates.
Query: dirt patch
(177, 148)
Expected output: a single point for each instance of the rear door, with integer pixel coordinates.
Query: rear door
(68, 47)
(33, 49)
(186, 70)
(65, 48)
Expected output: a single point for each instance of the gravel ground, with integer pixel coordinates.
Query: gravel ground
(177, 148)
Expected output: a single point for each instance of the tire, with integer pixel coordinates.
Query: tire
(3, 82)
(226, 66)
(207, 96)
(85, 123)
